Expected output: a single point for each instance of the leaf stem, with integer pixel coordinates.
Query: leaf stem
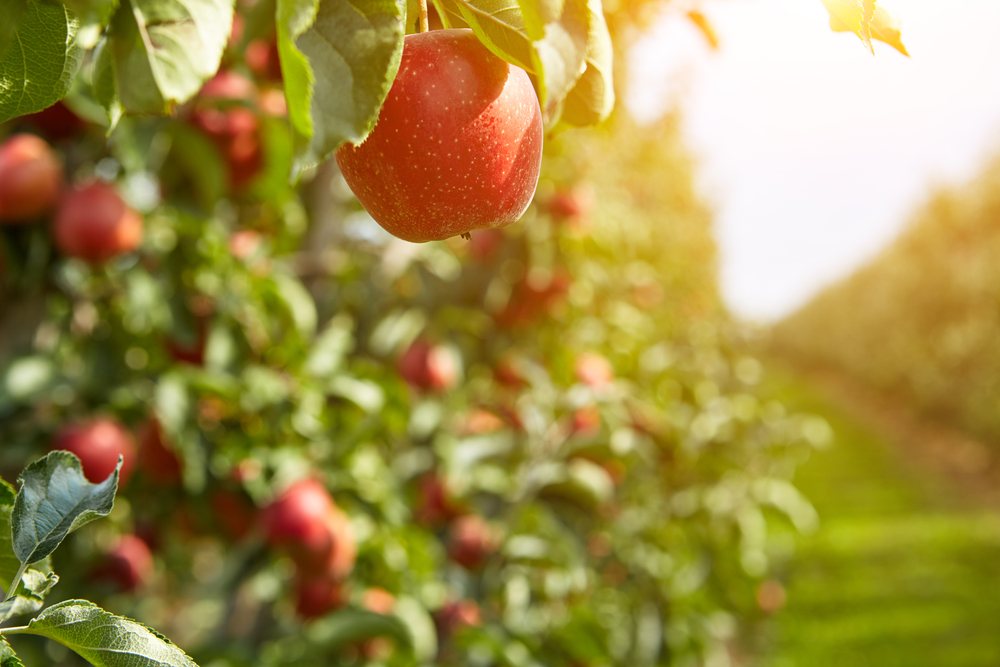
(13, 630)
(423, 16)
(17, 580)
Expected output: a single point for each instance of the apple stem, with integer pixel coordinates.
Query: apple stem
(423, 16)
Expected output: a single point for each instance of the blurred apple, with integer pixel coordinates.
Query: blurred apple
(429, 367)
(31, 177)
(435, 506)
(457, 615)
(93, 223)
(316, 595)
(98, 444)
(573, 207)
(233, 513)
(594, 370)
(158, 462)
(472, 541)
(128, 564)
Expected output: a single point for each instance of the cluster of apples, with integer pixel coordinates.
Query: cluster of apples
(90, 220)
(307, 524)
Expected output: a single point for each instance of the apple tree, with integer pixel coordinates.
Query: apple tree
(546, 444)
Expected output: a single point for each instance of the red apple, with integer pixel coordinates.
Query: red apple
(317, 595)
(159, 463)
(312, 529)
(457, 615)
(228, 85)
(98, 443)
(233, 513)
(128, 564)
(435, 506)
(594, 370)
(30, 178)
(235, 130)
(299, 515)
(458, 144)
(94, 224)
(472, 541)
(429, 367)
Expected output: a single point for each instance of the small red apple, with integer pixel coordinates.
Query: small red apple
(429, 367)
(94, 224)
(233, 513)
(228, 85)
(157, 462)
(472, 541)
(435, 506)
(594, 370)
(314, 531)
(98, 443)
(457, 615)
(128, 564)
(299, 515)
(458, 144)
(587, 421)
(31, 177)
(317, 595)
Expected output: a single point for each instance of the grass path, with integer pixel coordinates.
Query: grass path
(905, 569)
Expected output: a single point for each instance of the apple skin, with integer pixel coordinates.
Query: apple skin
(429, 367)
(457, 146)
(94, 224)
(98, 443)
(317, 595)
(31, 177)
(158, 463)
(472, 542)
(128, 564)
(312, 529)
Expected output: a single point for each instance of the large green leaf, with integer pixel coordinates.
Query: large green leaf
(10, 19)
(103, 639)
(500, 26)
(41, 58)
(559, 54)
(593, 97)
(160, 52)
(55, 499)
(354, 625)
(338, 58)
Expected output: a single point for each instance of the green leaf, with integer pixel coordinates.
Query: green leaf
(7, 656)
(451, 15)
(38, 66)
(338, 58)
(56, 499)
(94, 16)
(7, 494)
(160, 52)
(560, 49)
(593, 97)
(104, 85)
(103, 639)
(10, 19)
(500, 26)
(354, 625)
(299, 303)
(29, 597)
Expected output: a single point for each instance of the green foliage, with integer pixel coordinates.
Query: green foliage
(56, 499)
(41, 58)
(103, 639)
(920, 320)
(53, 500)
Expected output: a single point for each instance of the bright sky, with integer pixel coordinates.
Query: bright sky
(812, 152)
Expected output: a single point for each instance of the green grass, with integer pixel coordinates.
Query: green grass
(904, 570)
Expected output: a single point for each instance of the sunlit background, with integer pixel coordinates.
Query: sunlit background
(813, 153)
